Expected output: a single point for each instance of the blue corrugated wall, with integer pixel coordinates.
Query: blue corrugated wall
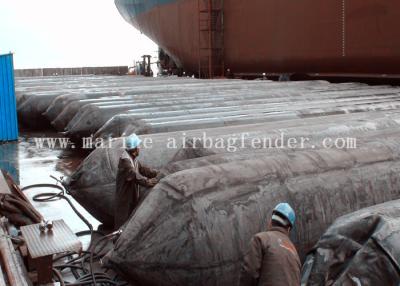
(8, 109)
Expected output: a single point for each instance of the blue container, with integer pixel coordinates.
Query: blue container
(8, 108)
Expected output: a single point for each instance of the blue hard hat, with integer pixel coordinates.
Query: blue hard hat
(132, 142)
(286, 211)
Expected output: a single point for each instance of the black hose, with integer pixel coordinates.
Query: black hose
(64, 266)
(85, 278)
(92, 253)
(88, 278)
(34, 186)
(89, 282)
(63, 256)
(70, 256)
(100, 277)
(59, 277)
(49, 197)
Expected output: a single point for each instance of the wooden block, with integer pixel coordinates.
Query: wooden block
(44, 267)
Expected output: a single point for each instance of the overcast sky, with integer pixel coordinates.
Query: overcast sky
(69, 33)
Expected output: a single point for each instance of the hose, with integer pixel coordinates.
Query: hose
(59, 277)
(87, 278)
(49, 197)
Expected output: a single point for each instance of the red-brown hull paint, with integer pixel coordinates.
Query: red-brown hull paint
(286, 36)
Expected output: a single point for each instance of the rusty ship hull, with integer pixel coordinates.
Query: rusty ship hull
(307, 36)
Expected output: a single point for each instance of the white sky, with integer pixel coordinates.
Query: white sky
(69, 33)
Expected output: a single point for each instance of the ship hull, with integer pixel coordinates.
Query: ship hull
(271, 36)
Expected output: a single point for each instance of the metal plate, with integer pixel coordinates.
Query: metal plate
(60, 239)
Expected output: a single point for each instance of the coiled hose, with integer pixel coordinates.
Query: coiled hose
(87, 278)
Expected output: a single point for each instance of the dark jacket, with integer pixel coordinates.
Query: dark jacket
(271, 260)
(131, 174)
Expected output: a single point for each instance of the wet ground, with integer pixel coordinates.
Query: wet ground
(28, 164)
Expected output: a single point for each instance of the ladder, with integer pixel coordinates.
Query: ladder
(211, 38)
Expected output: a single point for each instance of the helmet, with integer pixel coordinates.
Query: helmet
(132, 142)
(285, 210)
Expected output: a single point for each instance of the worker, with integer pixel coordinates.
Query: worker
(131, 174)
(272, 259)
